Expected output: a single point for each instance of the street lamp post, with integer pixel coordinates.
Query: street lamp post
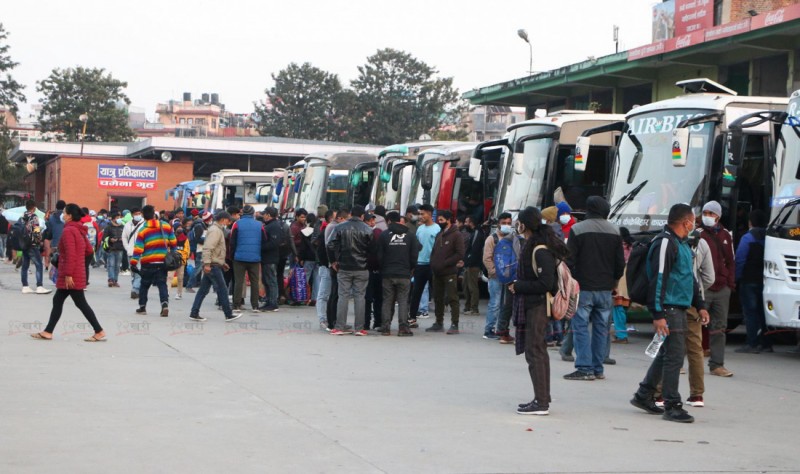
(524, 35)
(83, 118)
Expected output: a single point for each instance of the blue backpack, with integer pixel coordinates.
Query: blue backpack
(505, 260)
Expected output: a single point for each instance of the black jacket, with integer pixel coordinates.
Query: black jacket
(397, 252)
(269, 246)
(3, 225)
(448, 250)
(474, 255)
(349, 245)
(114, 232)
(595, 257)
(530, 285)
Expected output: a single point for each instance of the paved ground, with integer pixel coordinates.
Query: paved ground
(272, 393)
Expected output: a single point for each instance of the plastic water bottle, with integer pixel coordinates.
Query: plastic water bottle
(655, 345)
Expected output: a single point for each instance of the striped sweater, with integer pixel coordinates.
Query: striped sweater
(151, 243)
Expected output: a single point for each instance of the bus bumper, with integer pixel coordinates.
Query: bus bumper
(781, 304)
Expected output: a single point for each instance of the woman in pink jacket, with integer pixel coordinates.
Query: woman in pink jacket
(73, 248)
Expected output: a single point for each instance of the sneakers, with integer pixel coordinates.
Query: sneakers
(436, 327)
(255, 310)
(197, 317)
(178, 297)
(768, 349)
(599, 376)
(677, 414)
(190, 290)
(659, 402)
(747, 350)
(506, 339)
(412, 323)
(134, 295)
(141, 310)
(580, 375)
(235, 314)
(610, 361)
(27, 290)
(648, 405)
(125, 273)
(384, 331)
(696, 401)
(404, 332)
(268, 308)
(490, 335)
(533, 408)
(164, 310)
(453, 329)
(423, 315)
(324, 326)
(362, 332)
(568, 358)
(721, 372)
(339, 332)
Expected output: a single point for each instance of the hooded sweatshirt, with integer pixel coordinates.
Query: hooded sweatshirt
(596, 258)
(397, 251)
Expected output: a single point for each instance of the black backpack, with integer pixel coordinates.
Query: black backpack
(636, 276)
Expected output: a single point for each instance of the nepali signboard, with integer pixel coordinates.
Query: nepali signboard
(693, 15)
(127, 177)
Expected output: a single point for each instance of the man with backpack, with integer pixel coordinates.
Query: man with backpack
(750, 281)
(719, 295)
(597, 262)
(129, 232)
(112, 244)
(447, 256)
(497, 287)
(672, 289)
(30, 243)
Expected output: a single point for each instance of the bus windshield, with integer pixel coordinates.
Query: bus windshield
(518, 191)
(338, 181)
(421, 196)
(312, 188)
(644, 184)
(787, 179)
(385, 193)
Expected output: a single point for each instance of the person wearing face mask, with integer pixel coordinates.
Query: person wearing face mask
(493, 328)
(112, 244)
(447, 257)
(564, 218)
(426, 235)
(129, 232)
(719, 295)
(412, 219)
(672, 291)
(472, 265)
(550, 217)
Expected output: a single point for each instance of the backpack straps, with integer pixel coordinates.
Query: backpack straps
(547, 297)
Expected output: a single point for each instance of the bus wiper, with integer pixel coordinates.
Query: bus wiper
(621, 202)
(789, 204)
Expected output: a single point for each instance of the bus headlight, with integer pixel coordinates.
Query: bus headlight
(772, 270)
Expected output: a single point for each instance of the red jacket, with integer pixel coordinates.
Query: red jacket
(720, 242)
(73, 248)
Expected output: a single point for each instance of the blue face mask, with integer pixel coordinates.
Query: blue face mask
(62, 217)
(118, 221)
(506, 229)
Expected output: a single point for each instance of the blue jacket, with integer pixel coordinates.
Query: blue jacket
(670, 269)
(750, 257)
(246, 237)
(56, 228)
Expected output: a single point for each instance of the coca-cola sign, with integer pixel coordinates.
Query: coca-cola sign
(775, 17)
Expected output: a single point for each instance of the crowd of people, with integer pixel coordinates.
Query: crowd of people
(390, 263)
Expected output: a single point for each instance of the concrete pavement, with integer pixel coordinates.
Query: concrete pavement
(273, 393)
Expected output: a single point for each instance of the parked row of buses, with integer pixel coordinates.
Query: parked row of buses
(708, 143)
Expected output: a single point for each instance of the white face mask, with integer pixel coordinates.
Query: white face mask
(137, 218)
(544, 221)
(564, 219)
(506, 229)
(709, 221)
(62, 217)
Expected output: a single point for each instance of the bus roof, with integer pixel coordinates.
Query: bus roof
(462, 150)
(712, 102)
(413, 148)
(559, 120)
(232, 172)
(342, 160)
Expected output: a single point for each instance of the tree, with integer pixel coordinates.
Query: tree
(71, 92)
(10, 95)
(305, 102)
(400, 99)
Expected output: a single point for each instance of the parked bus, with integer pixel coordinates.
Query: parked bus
(327, 179)
(396, 168)
(542, 164)
(288, 189)
(186, 197)
(231, 187)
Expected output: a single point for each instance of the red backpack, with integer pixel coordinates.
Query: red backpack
(564, 303)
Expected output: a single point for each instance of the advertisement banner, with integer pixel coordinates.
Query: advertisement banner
(663, 21)
(127, 177)
(693, 15)
(728, 29)
(774, 17)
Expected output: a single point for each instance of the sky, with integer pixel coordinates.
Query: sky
(163, 48)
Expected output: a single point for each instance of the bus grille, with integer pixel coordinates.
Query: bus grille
(792, 267)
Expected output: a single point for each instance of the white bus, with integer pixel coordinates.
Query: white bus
(328, 178)
(231, 187)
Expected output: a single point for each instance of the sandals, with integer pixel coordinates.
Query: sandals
(39, 336)
(94, 338)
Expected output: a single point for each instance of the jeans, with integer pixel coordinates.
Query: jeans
(3, 238)
(495, 300)
(666, 367)
(425, 299)
(271, 282)
(113, 261)
(217, 280)
(36, 255)
(621, 322)
(422, 276)
(395, 290)
(136, 282)
(253, 270)
(718, 303)
(323, 293)
(352, 284)
(752, 297)
(590, 350)
(311, 278)
(374, 300)
(79, 298)
(154, 275)
(445, 291)
(198, 271)
(566, 342)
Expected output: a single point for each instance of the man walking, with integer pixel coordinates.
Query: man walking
(718, 297)
(31, 243)
(750, 280)
(597, 261)
(112, 238)
(446, 258)
(247, 235)
(673, 289)
(472, 266)
(153, 241)
(273, 235)
(214, 250)
(129, 232)
(426, 235)
(196, 239)
(497, 291)
(348, 250)
(397, 256)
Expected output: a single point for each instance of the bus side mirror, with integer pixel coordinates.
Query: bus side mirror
(427, 176)
(519, 166)
(396, 178)
(474, 171)
(680, 146)
(582, 153)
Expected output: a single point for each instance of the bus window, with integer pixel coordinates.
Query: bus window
(579, 185)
